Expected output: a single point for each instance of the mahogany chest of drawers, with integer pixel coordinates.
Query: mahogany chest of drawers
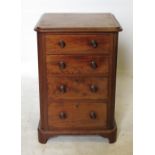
(77, 55)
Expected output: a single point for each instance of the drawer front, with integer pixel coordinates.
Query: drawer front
(70, 44)
(71, 64)
(77, 115)
(77, 88)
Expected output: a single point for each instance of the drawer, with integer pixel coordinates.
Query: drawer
(77, 87)
(74, 64)
(77, 115)
(70, 44)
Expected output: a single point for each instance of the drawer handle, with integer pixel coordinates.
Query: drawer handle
(62, 65)
(62, 115)
(92, 115)
(93, 64)
(94, 43)
(62, 88)
(61, 43)
(93, 88)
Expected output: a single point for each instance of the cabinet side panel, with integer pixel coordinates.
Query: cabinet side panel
(42, 81)
(112, 83)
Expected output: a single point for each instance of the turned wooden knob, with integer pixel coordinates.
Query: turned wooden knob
(62, 115)
(61, 43)
(93, 43)
(93, 88)
(92, 115)
(93, 64)
(62, 88)
(62, 65)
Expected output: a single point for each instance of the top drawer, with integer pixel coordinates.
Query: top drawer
(70, 44)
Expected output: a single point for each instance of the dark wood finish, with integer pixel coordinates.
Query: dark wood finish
(78, 22)
(42, 81)
(112, 82)
(77, 64)
(76, 44)
(77, 58)
(77, 87)
(77, 116)
(111, 134)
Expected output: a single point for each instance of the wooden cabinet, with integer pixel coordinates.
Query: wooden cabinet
(77, 57)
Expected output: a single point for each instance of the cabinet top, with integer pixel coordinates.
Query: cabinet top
(78, 22)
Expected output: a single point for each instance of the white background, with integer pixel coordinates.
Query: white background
(144, 75)
(33, 9)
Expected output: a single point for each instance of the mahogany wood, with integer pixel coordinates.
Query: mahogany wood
(77, 87)
(75, 44)
(77, 58)
(77, 64)
(77, 116)
(78, 22)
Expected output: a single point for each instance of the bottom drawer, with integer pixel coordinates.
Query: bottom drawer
(77, 115)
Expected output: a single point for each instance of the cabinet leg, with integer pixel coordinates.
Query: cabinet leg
(111, 135)
(112, 138)
(42, 137)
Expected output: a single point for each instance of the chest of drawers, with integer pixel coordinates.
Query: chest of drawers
(77, 55)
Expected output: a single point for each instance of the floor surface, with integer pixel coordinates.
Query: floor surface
(76, 145)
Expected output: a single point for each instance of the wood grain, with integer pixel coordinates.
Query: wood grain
(77, 116)
(42, 81)
(76, 44)
(77, 87)
(77, 96)
(77, 65)
(78, 22)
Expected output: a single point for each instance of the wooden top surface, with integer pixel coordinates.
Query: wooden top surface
(78, 22)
